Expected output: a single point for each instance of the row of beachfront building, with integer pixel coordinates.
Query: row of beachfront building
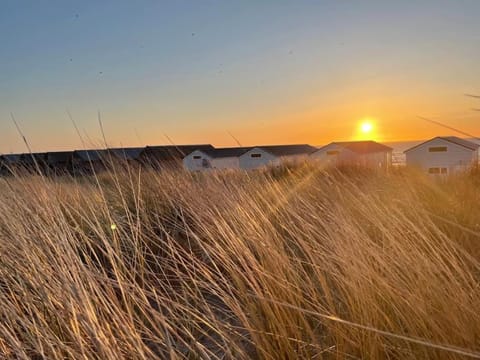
(441, 155)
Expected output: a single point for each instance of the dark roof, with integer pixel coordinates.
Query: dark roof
(226, 152)
(173, 152)
(31, 158)
(10, 158)
(363, 147)
(454, 140)
(90, 155)
(286, 150)
(56, 157)
(462, 142)
(132, 153)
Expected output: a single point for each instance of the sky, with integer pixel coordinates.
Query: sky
(227, 72)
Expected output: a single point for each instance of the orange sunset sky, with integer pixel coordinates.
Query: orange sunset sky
(200, 72)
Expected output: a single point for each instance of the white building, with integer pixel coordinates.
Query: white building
(222, 158)
(443, 155)
(357, 153)
(274, 155)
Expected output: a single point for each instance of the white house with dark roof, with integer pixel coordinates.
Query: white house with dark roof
(443, 155)
(274, 155)
(208, 159)
(368, 154)
(169, 156)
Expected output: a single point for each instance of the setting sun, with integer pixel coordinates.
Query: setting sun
(366, 127)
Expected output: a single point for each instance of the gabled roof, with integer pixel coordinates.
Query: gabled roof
(286, 150)
(452, 139)
(462, 142)
(132, 153)
(362, 147)
(226, 152)
(173, 152)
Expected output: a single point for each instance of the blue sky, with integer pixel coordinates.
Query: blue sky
(269, 72)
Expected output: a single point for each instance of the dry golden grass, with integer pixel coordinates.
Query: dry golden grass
(274, 264)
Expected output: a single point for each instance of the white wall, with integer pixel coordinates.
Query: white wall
(226, 163)
(325, 158)
(377, 160)
(196, 161)
(456, 158)
(248, 162)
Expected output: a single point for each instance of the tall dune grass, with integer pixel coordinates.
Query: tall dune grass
(273, 264)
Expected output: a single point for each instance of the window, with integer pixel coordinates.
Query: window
(256, 155)
(197, 157)
(333, 152)
(437, 149)
(436, 170)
